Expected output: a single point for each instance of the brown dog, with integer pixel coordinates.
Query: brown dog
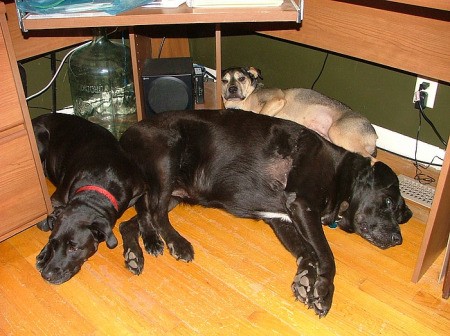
(330, 118)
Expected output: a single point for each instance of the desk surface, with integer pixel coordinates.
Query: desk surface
(141, 16)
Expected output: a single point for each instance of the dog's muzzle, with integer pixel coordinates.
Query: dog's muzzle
(233, 93)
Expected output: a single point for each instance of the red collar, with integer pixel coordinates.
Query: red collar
(102, 191)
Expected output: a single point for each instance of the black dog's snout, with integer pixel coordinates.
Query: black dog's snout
(50, 275)
(232, 89)
(396, 239)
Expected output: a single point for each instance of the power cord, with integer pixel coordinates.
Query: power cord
(56, 72)
(420, 102)
(321, 70)
(59, 69)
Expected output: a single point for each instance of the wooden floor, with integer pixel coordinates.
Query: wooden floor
(238, 284)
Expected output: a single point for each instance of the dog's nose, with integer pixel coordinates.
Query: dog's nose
(396, 239)
(232, 89)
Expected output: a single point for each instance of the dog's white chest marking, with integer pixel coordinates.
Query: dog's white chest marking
(272, 215)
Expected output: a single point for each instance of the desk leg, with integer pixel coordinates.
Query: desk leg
(438, 224)
(141, 49)
(218, 67)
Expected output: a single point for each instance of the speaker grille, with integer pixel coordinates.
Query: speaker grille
(168, 85)
(168, 93)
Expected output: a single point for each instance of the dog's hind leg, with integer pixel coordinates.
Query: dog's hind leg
(355, 136)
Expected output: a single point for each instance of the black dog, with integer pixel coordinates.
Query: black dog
(267, 168)
(95, 183)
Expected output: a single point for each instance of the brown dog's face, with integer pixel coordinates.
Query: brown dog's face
(238, 84)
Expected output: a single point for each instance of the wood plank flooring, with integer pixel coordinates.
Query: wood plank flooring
(238, 284)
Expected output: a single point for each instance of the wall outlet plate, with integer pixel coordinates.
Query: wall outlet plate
(431, 90)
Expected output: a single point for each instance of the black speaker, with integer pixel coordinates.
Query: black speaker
(168, 85)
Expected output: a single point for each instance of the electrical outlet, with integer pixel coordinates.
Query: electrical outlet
(431, 90)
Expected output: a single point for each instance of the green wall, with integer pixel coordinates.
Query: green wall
(383, 95)
(38, 76)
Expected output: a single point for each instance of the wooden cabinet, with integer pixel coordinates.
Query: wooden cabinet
(24, 197)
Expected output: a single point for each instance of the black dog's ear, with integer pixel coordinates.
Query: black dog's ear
(384, 176)
(254, 72)
(42, 139)
(102, 231)
(48, 223)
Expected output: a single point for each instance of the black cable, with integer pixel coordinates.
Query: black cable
(321, 70)
(420, 176)
(428, 164)
(432, 125)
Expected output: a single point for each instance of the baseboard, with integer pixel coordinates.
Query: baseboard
(406, 146)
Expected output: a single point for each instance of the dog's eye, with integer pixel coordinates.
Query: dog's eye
(388, 202)
(224, 81)
(241, 79)
(364, 227)
(72, 247)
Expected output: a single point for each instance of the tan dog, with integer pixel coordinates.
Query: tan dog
(330, 118)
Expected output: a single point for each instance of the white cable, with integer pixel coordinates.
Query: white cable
(57, 71)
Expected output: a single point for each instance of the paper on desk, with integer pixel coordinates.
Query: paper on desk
(165, 3)
(234, 3)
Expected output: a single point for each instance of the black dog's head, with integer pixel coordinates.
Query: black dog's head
(376, 207)
(76, 234)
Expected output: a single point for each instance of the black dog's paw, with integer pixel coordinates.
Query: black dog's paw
(323, 295)
(134, 261)
(42, 258)
(153, 243)
(314, 291)
(181, 249)
(303, 285)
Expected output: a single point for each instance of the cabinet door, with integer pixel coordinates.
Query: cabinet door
(21, 195)
(24, 197)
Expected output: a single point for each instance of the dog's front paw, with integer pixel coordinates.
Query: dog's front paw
(181, 249)
(323, 296)
(153, 243)
(134, 261)
(314, 291)
(303, 285)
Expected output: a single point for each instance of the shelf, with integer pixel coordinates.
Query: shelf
(142, 16)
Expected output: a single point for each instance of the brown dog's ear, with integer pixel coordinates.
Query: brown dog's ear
(254, 72)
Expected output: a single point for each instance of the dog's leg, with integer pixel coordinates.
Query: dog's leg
(308, 224)
(178, 246)
(273, 106)
(132, 252)
(306, 259)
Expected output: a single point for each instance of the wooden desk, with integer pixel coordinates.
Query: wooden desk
(140, 44)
